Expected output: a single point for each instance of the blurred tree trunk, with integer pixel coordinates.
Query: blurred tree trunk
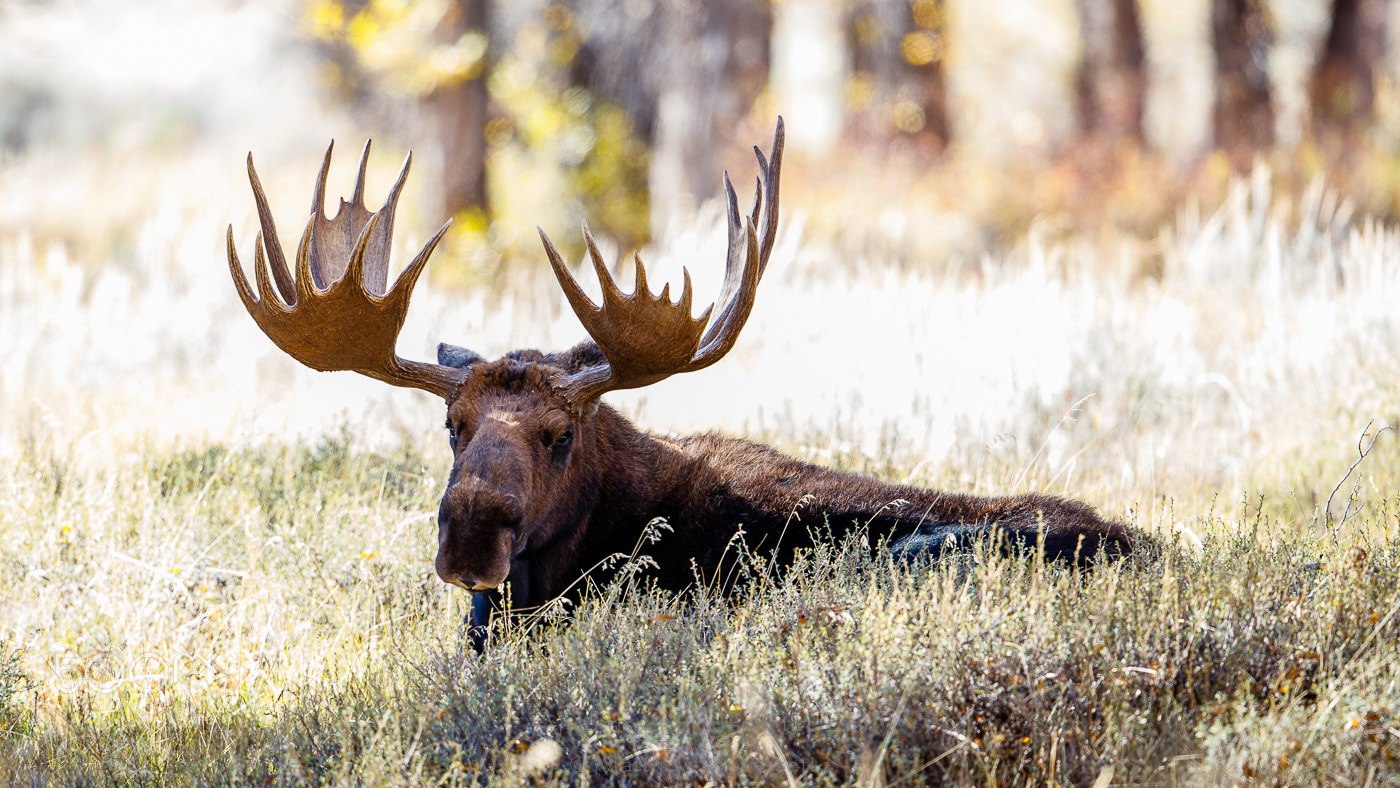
(897, 55)
(924, 48)
(1112, 79)
(705, 47)
(458, 116)
(687, 72)
(1343, 92)
(1243, 114)
(749, 58)
(811, 70)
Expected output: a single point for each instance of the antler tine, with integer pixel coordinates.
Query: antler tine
(686, 292)
(592, 382)
(335, 238)
(771, 173)
(725, 331)
(735, 311)
(612, 294)
(358, 197)
(757, 200)
(269, 234)
(265, 293)
(408, 278)
(578, 301)
(647, 338)
(307, 285)
(335, 315)
(734, 268)
(240, 281)
(318, 193)
(376, 276)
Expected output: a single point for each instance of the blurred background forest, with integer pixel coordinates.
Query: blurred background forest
(971, 120)
(1103, 112)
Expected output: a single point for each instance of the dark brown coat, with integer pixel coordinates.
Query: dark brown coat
(540, 492)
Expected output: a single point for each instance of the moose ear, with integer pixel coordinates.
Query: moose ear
(581, 356)
(457, 357)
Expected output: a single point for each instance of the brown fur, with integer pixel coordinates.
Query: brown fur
(523, 508)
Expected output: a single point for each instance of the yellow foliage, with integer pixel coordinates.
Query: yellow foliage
(921, 48)
(557, 149)
(613, 178)
(928, 14)
(908, 117)
(868, 30)
(392, 41)
(558, 17)
(859, 91)
(593, 141)
(325, 19)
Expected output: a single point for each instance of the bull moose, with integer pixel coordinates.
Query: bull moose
(547, 480)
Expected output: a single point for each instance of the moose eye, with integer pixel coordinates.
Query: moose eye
(559, 445)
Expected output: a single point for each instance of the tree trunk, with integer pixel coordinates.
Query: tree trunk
(687, 72)
(1111, 81)
(810, 67)
(926, 73)
(715, 62)
(1343, 90)
(459, 114)
(1243, 114)
(898, 48)
(683, 151)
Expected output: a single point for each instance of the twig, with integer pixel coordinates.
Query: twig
(1327, 510)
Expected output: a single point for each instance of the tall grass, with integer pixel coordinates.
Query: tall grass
(269, 616)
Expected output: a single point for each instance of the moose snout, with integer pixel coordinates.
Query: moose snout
(478, 526)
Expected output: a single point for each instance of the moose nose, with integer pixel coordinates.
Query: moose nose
(477, 526)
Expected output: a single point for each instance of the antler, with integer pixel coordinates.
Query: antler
(336, 315)
(647, 338)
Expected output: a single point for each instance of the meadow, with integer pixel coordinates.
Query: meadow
(217, 565)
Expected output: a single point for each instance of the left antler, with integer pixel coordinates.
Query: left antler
(647, 338)
(335, 314)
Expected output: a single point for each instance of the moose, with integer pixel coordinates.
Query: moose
(547, 480)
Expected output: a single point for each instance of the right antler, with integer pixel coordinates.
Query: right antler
(336, 315)
(647, 338)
